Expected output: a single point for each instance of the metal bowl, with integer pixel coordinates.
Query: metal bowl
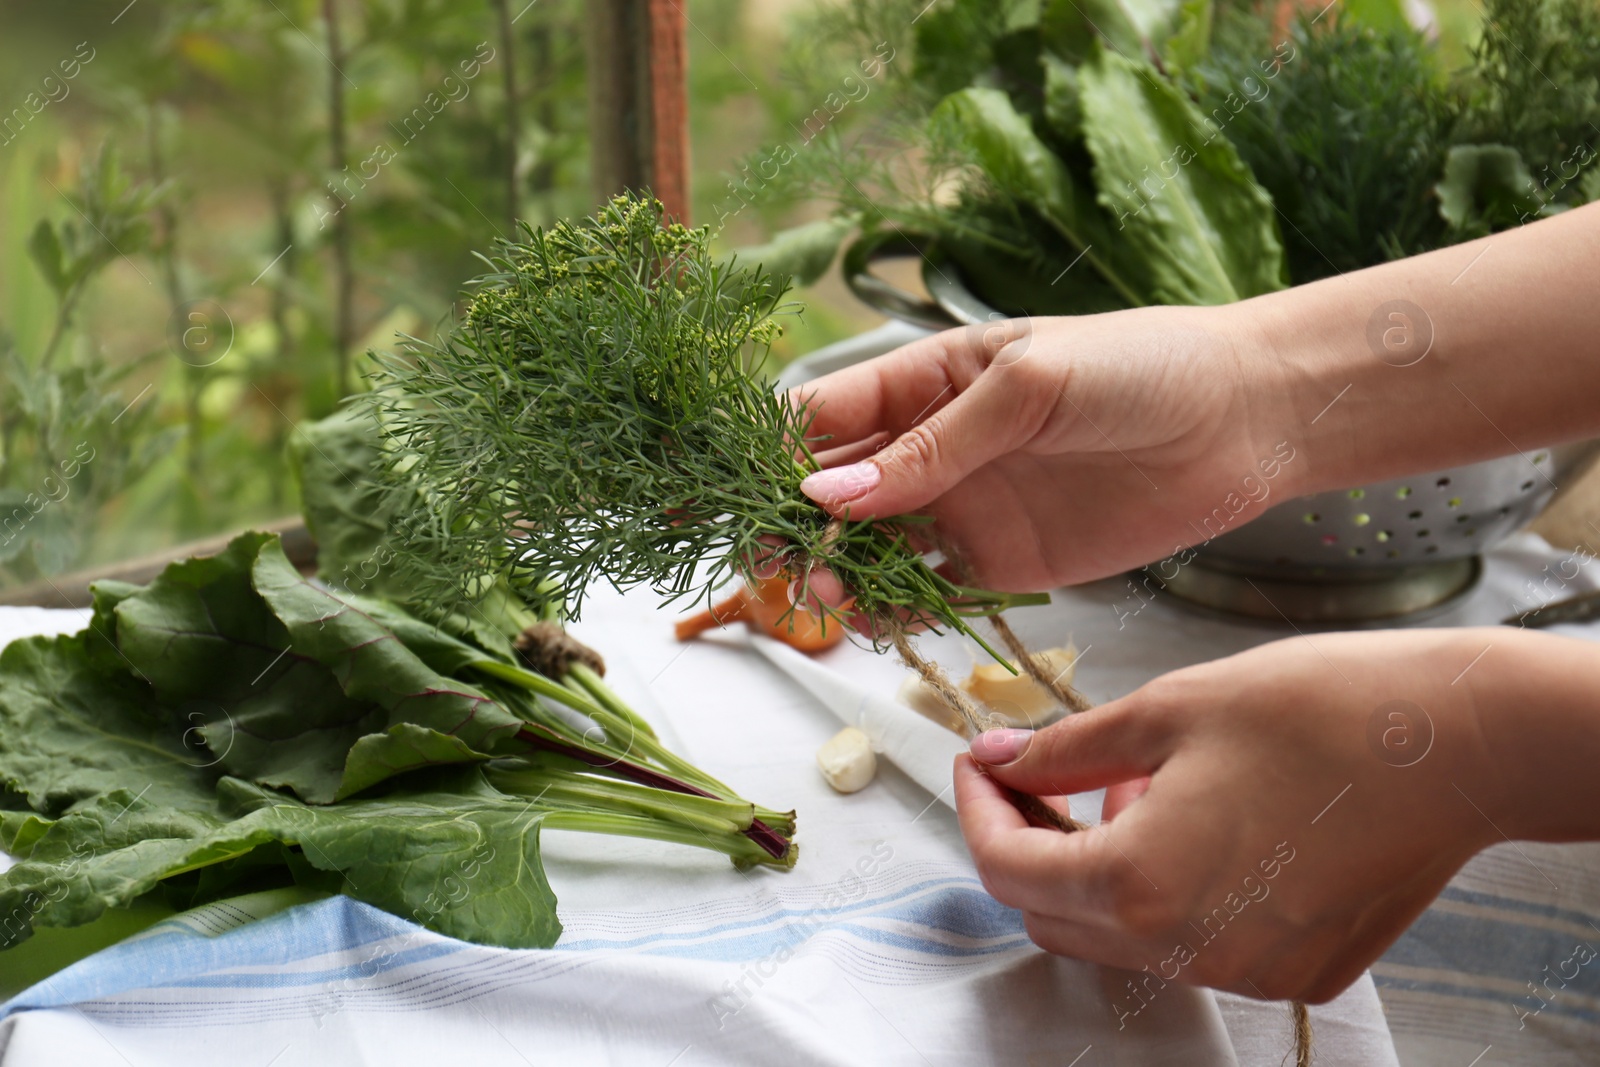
(1372, 552)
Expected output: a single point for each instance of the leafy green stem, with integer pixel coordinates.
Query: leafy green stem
(544, 739)
(558, 790)
(537, 683)
(590, 682)
(742, 849)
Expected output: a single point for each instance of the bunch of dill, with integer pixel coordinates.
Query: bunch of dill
(1349, 135)
(594, 417)
(1352, 135)
(1534, 84)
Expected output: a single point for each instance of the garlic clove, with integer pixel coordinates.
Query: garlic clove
(847, 761)
(919, 697)
(1016, 699)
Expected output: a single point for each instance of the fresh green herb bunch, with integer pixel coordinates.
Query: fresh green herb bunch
(595, 416)
(1534, 85)
(1348, 136)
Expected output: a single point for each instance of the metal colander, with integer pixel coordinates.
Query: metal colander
(1376, 551)
(1351, 555)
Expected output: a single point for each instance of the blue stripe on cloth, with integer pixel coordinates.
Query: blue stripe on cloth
(919, 919)
(1501, 946)
(1528, 907)
(169, 954)
(1554, 1006)
(962, 908)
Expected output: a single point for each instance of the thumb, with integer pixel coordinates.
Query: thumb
(927, 460)
(1100, 747)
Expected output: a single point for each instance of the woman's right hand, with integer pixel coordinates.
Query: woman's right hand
(1052, 451)
(1057, 450)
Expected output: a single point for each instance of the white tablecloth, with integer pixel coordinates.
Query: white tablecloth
(880, 948)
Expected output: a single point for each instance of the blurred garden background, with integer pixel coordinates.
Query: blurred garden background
(210, 211)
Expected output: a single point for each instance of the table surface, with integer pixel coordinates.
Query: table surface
(879, 947)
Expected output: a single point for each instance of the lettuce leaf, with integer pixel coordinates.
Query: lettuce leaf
(1178, 193)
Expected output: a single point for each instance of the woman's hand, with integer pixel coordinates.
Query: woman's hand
(1057, 450)
(1306, 800)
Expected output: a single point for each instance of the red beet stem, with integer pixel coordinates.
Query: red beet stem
(546, 740)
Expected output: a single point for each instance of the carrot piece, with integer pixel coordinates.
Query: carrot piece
(765, 608)
(734, 609)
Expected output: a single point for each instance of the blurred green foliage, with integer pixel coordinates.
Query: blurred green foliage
(170, 303)
(69, 439)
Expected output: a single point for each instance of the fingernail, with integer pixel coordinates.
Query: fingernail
(1001, 746)
(840, 485)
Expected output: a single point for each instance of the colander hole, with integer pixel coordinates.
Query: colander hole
(1454, 502)
(1422, 533)
(1311, 517)
(1357, 494)
(1403, 492)
(1393, 553)
(1527, 485)
(1540, 458)
(1384, 535)
(1361, 518)
(1469, 531)
(1431, 549)
(1358, 550)
(1414, 515)
(1330, 539)
(1463, 518)
(1505, 511)
(1442, 482)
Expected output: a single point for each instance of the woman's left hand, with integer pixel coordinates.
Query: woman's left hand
(1306, 800)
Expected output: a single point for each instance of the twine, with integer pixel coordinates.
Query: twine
(1035, 810)
(1302, 1033)
(828, 543)
(1065, 695)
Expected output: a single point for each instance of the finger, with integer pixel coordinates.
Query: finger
(889, 394)
(1085, 941)
(1095, 748)
(768, 561)
(855, 452)
(1022, 865)
(981, 808)
(1119, 796)
(818, 590)
(987, 421)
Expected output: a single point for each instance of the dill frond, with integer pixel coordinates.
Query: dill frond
(593, 418)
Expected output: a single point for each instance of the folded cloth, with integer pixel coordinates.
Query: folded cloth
(880, 947)
(924, 968)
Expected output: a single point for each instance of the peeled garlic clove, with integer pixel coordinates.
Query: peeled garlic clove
(1017, 698)
(846, 761)
(919, 697)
